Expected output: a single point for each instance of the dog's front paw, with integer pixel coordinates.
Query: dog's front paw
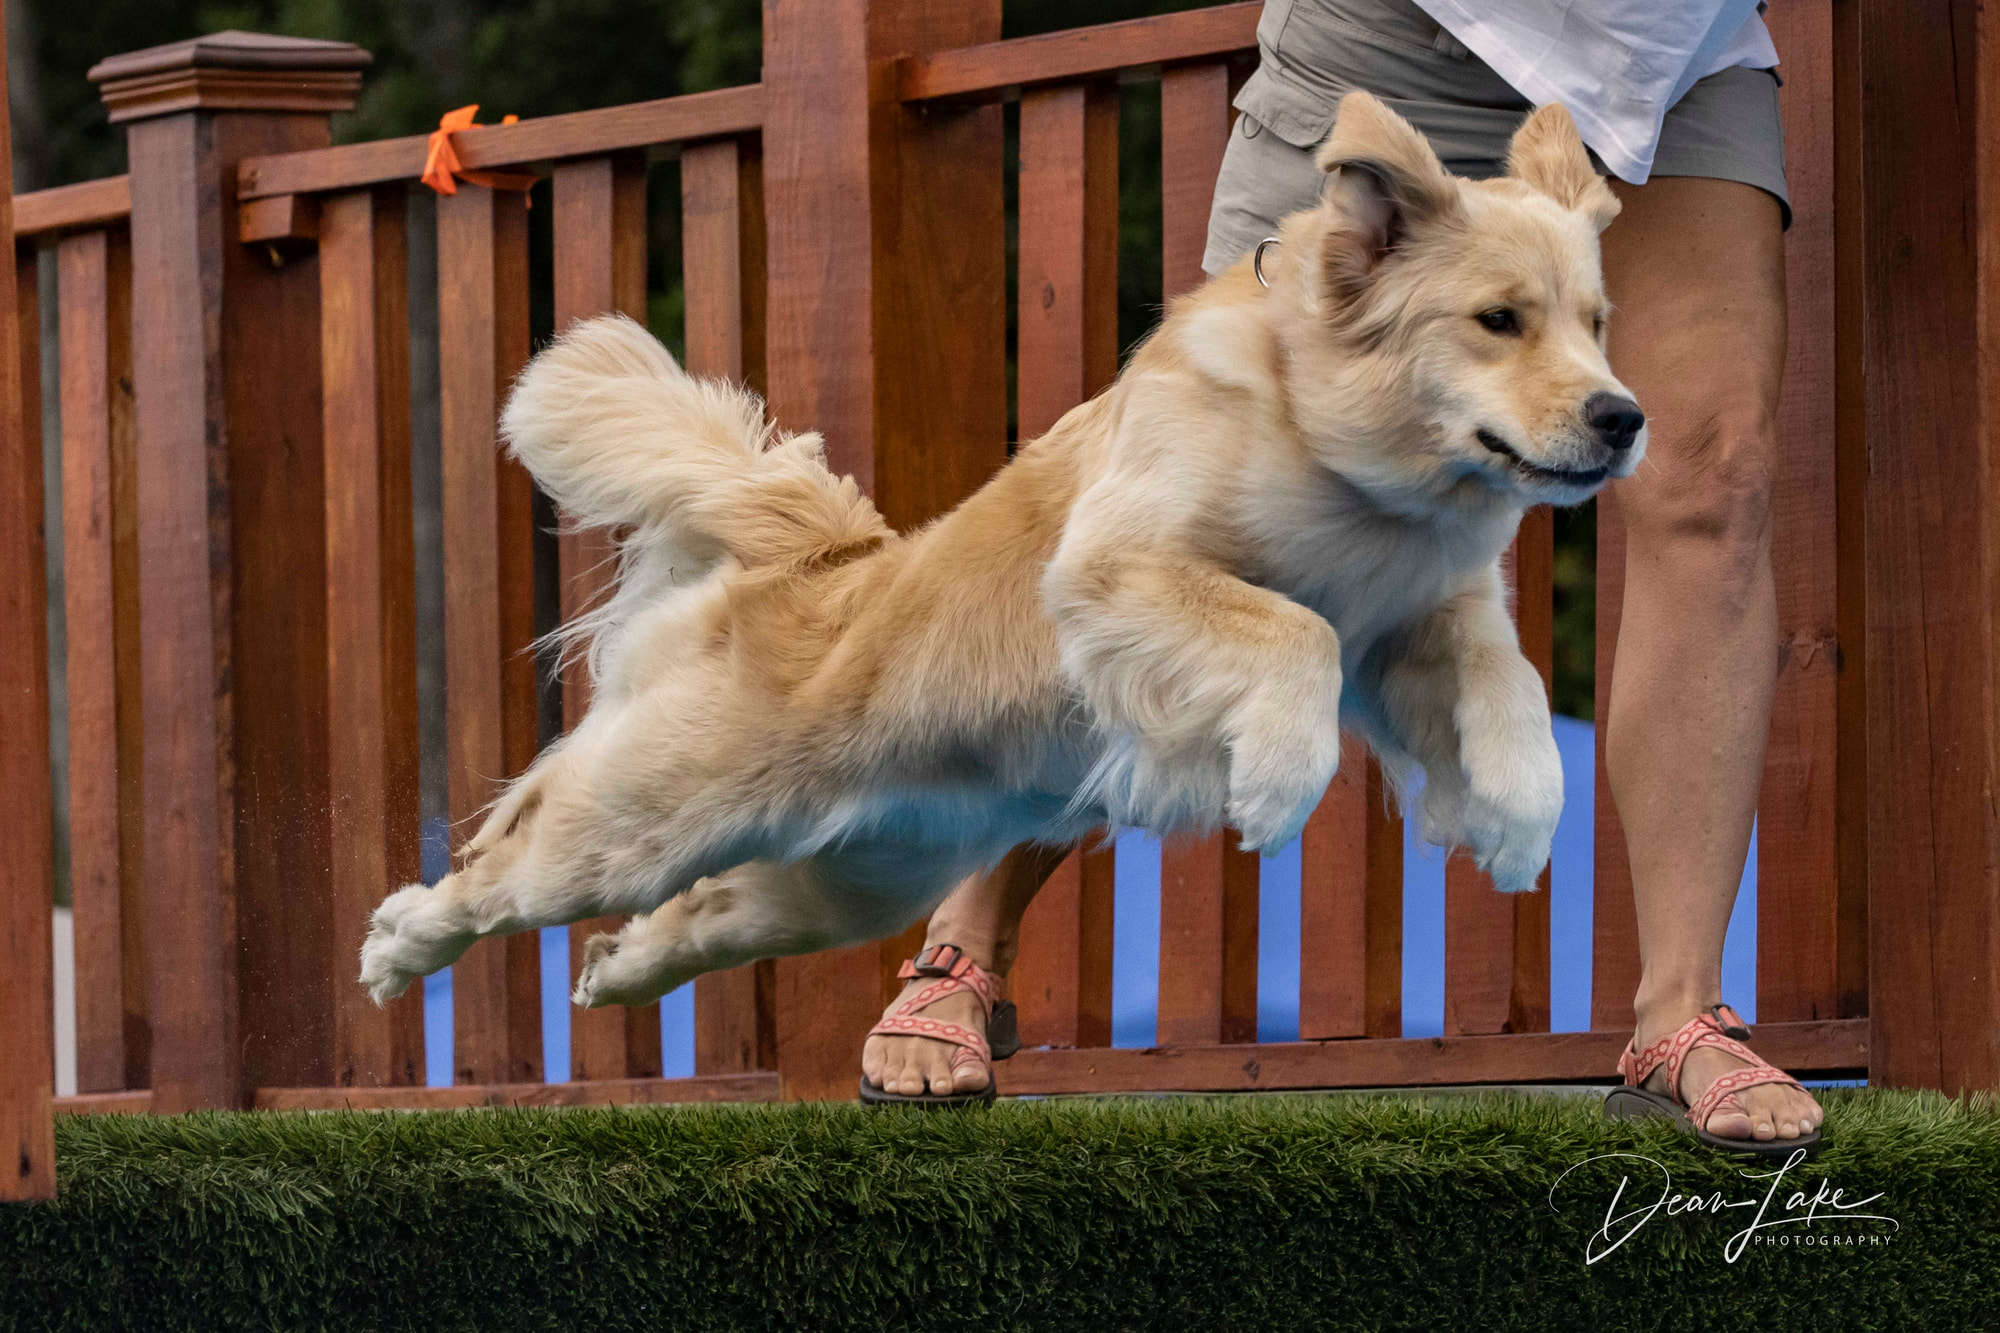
(1509, 814)
(1275, 783)
(412, 934)
(387, 964)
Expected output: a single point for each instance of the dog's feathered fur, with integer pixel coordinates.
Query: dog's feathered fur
(1287, 513)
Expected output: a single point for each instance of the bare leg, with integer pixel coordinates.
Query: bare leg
(1696, 267)
(983, 917)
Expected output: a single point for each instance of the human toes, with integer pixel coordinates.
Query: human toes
(875, 1061)
(1730, 1121)
(943, 1072)
(1797, 1108)
(901, 1073)
(970, 1075)
(1788, 1112)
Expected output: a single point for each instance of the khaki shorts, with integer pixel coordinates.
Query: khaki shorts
(1313, 51)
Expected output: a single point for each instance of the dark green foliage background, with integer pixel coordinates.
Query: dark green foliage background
(1225, 1214)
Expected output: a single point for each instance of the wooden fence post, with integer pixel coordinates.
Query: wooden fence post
(231, 528)
(27, 1055)
(887, 329)
(1926, 174)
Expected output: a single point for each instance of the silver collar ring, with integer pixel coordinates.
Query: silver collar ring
(1257, 260)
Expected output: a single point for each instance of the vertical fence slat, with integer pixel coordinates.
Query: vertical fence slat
(1496, 945)
(1614, 949)
(489, 595)
(1208, 942)
(1799, 882)
(84, 317)
(722, 267)
(1351, 907)
(371, 612)
(600, 265)
(1208, 888)
(1535, 622)
(722, 258)
(101, 612)
(1067, 351)
(131, 684)
(27, 1056)
(1852, 820)
(1194, 132)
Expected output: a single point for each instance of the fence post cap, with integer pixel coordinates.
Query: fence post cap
(232, 71)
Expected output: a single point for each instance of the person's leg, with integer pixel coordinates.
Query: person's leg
(1695, 269)
(983, 917)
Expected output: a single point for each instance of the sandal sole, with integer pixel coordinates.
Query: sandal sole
(1628, 1103)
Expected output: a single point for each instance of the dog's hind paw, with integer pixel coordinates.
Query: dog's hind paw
(592, 979)
(621, 969)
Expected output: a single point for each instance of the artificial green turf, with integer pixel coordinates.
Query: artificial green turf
(1216, 1214)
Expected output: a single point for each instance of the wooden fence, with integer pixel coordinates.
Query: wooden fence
(238, 564)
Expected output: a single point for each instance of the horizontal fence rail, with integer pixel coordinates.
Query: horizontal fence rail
(859, 279)
(97, 203)
(1135, 48)
(660, 124)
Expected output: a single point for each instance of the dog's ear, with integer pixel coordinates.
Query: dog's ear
(1548, 154)
(1383, 181)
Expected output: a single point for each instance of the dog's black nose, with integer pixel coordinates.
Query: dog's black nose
(1615, 418)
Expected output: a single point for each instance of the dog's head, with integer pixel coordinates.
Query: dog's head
(1453, 331)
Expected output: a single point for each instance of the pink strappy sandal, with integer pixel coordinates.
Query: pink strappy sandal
(1723, 1028)
(950, 972)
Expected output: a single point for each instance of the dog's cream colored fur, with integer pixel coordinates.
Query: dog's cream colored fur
(1286, 515)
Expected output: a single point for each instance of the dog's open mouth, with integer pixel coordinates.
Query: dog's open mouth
(1560, 475)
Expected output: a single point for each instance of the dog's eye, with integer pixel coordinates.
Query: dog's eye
(1597, 323)
(1500, 320)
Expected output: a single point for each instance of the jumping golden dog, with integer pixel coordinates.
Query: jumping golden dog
(1286, 516)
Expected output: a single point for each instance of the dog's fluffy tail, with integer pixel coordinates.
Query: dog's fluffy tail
(619, 435)
(688, 471)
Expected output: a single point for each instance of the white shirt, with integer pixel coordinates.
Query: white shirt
(1618, 65)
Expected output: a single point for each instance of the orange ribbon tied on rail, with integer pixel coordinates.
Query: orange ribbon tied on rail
(442, 170)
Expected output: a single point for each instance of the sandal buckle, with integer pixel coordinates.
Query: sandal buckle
(1730, 1022)
(937, 960)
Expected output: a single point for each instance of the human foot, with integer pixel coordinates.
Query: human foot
(932, 1042)
(1730, 1092)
